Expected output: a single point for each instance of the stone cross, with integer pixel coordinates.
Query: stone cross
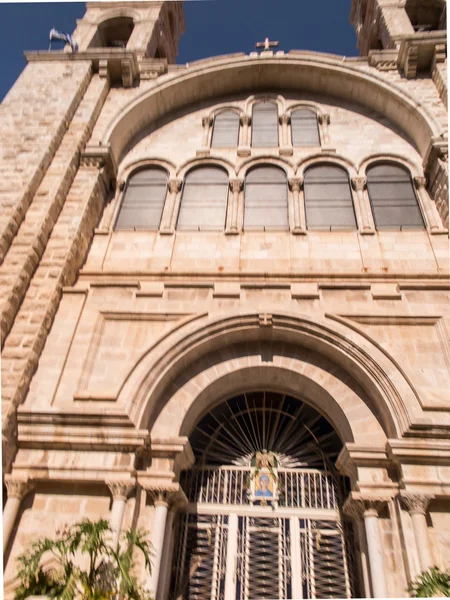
(266, 44)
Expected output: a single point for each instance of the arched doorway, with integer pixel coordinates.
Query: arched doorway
(264, 515)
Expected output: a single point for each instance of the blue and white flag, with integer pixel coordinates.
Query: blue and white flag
(64, 37)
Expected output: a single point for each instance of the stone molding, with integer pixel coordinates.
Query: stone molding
(416, 503)
(120, 489)
(18, 487)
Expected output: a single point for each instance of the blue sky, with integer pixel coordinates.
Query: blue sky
(212, 27)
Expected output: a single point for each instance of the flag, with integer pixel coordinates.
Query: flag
(64, 37)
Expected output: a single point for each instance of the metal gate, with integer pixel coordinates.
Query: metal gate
(228, 548)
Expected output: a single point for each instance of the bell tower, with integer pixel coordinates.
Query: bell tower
(150, 29)
(411, 33)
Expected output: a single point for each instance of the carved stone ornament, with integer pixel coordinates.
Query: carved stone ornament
(420, 182)
(285, 119)
(324, 119)
(120, 488)
(266, 320)
(296, 184)
(18, 487)
(207, 121)
(358, 508)
(165, 494)
(236, 185)
(359, 183)
(245, 120)
(174, 185)
(416, 503)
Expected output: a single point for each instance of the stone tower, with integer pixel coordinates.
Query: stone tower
(225, 303)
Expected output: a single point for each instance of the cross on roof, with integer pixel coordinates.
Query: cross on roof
(266, 44)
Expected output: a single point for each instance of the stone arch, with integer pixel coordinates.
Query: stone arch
(125, 170)
(411, 166)
(216, 161)
(327, 158)
(317, 74)
(387, 392)
(266, 159)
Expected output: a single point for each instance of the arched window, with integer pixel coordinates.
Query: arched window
(266, 200)
(304, 128)
(143, 200)
(392, 196)
(226, 130)
(328, 198)
(113, 33)
(265, 124)
(204, 199)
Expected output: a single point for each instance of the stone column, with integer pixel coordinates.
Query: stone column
(417, 505)
(244, 143)
(355, 511)
(119, 491)
(359, 184)
(162, 497)
(369, 510)
(236, 186)
(169, 217)
(324, 121)
(17, 489)
(429, 208)
(285, 147)
(298, 200)
(166, 561)
(232, 548)
(207, 124)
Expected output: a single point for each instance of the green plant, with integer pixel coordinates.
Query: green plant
(109, 572)
(431, 583)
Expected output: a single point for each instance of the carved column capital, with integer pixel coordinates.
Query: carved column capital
(324, 119)
(174, 185)
(120, 488)
(165, 494)
(416, 503)
(207, 121)
(420, 182)
(285, 119)
(296, 184)
(236, 185)
(18, 487)
(245, 119)
(359, 508)
(359, 183)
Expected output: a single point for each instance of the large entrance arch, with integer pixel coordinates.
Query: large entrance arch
(264, 516)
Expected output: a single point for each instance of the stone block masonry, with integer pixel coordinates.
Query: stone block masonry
(63, 256)
(28, 245)
(33, 120)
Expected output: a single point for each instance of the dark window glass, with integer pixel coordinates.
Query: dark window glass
(328, 198)
(226, 130)
(266, 200)
(392, 196)
(204, 199)
(143, 200)
(265, 125)
(304, 128)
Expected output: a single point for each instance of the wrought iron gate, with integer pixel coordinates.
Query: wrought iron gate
(270, 551)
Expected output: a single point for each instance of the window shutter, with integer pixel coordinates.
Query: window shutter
(266, 201)
(226, 130)
(393, 199)
(204, 199)
(265, 125)
(304, 128)
(328, 199)
(143, 201)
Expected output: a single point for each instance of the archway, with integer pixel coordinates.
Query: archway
(264, 515)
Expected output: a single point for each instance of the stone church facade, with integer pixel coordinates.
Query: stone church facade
(226, 303)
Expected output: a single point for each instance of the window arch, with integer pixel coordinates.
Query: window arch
(265, 124)
(143, 200)
(305, 131)
(225, 130)
(392, 197)
(266, 199)
(328, 198)
(204, 199)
